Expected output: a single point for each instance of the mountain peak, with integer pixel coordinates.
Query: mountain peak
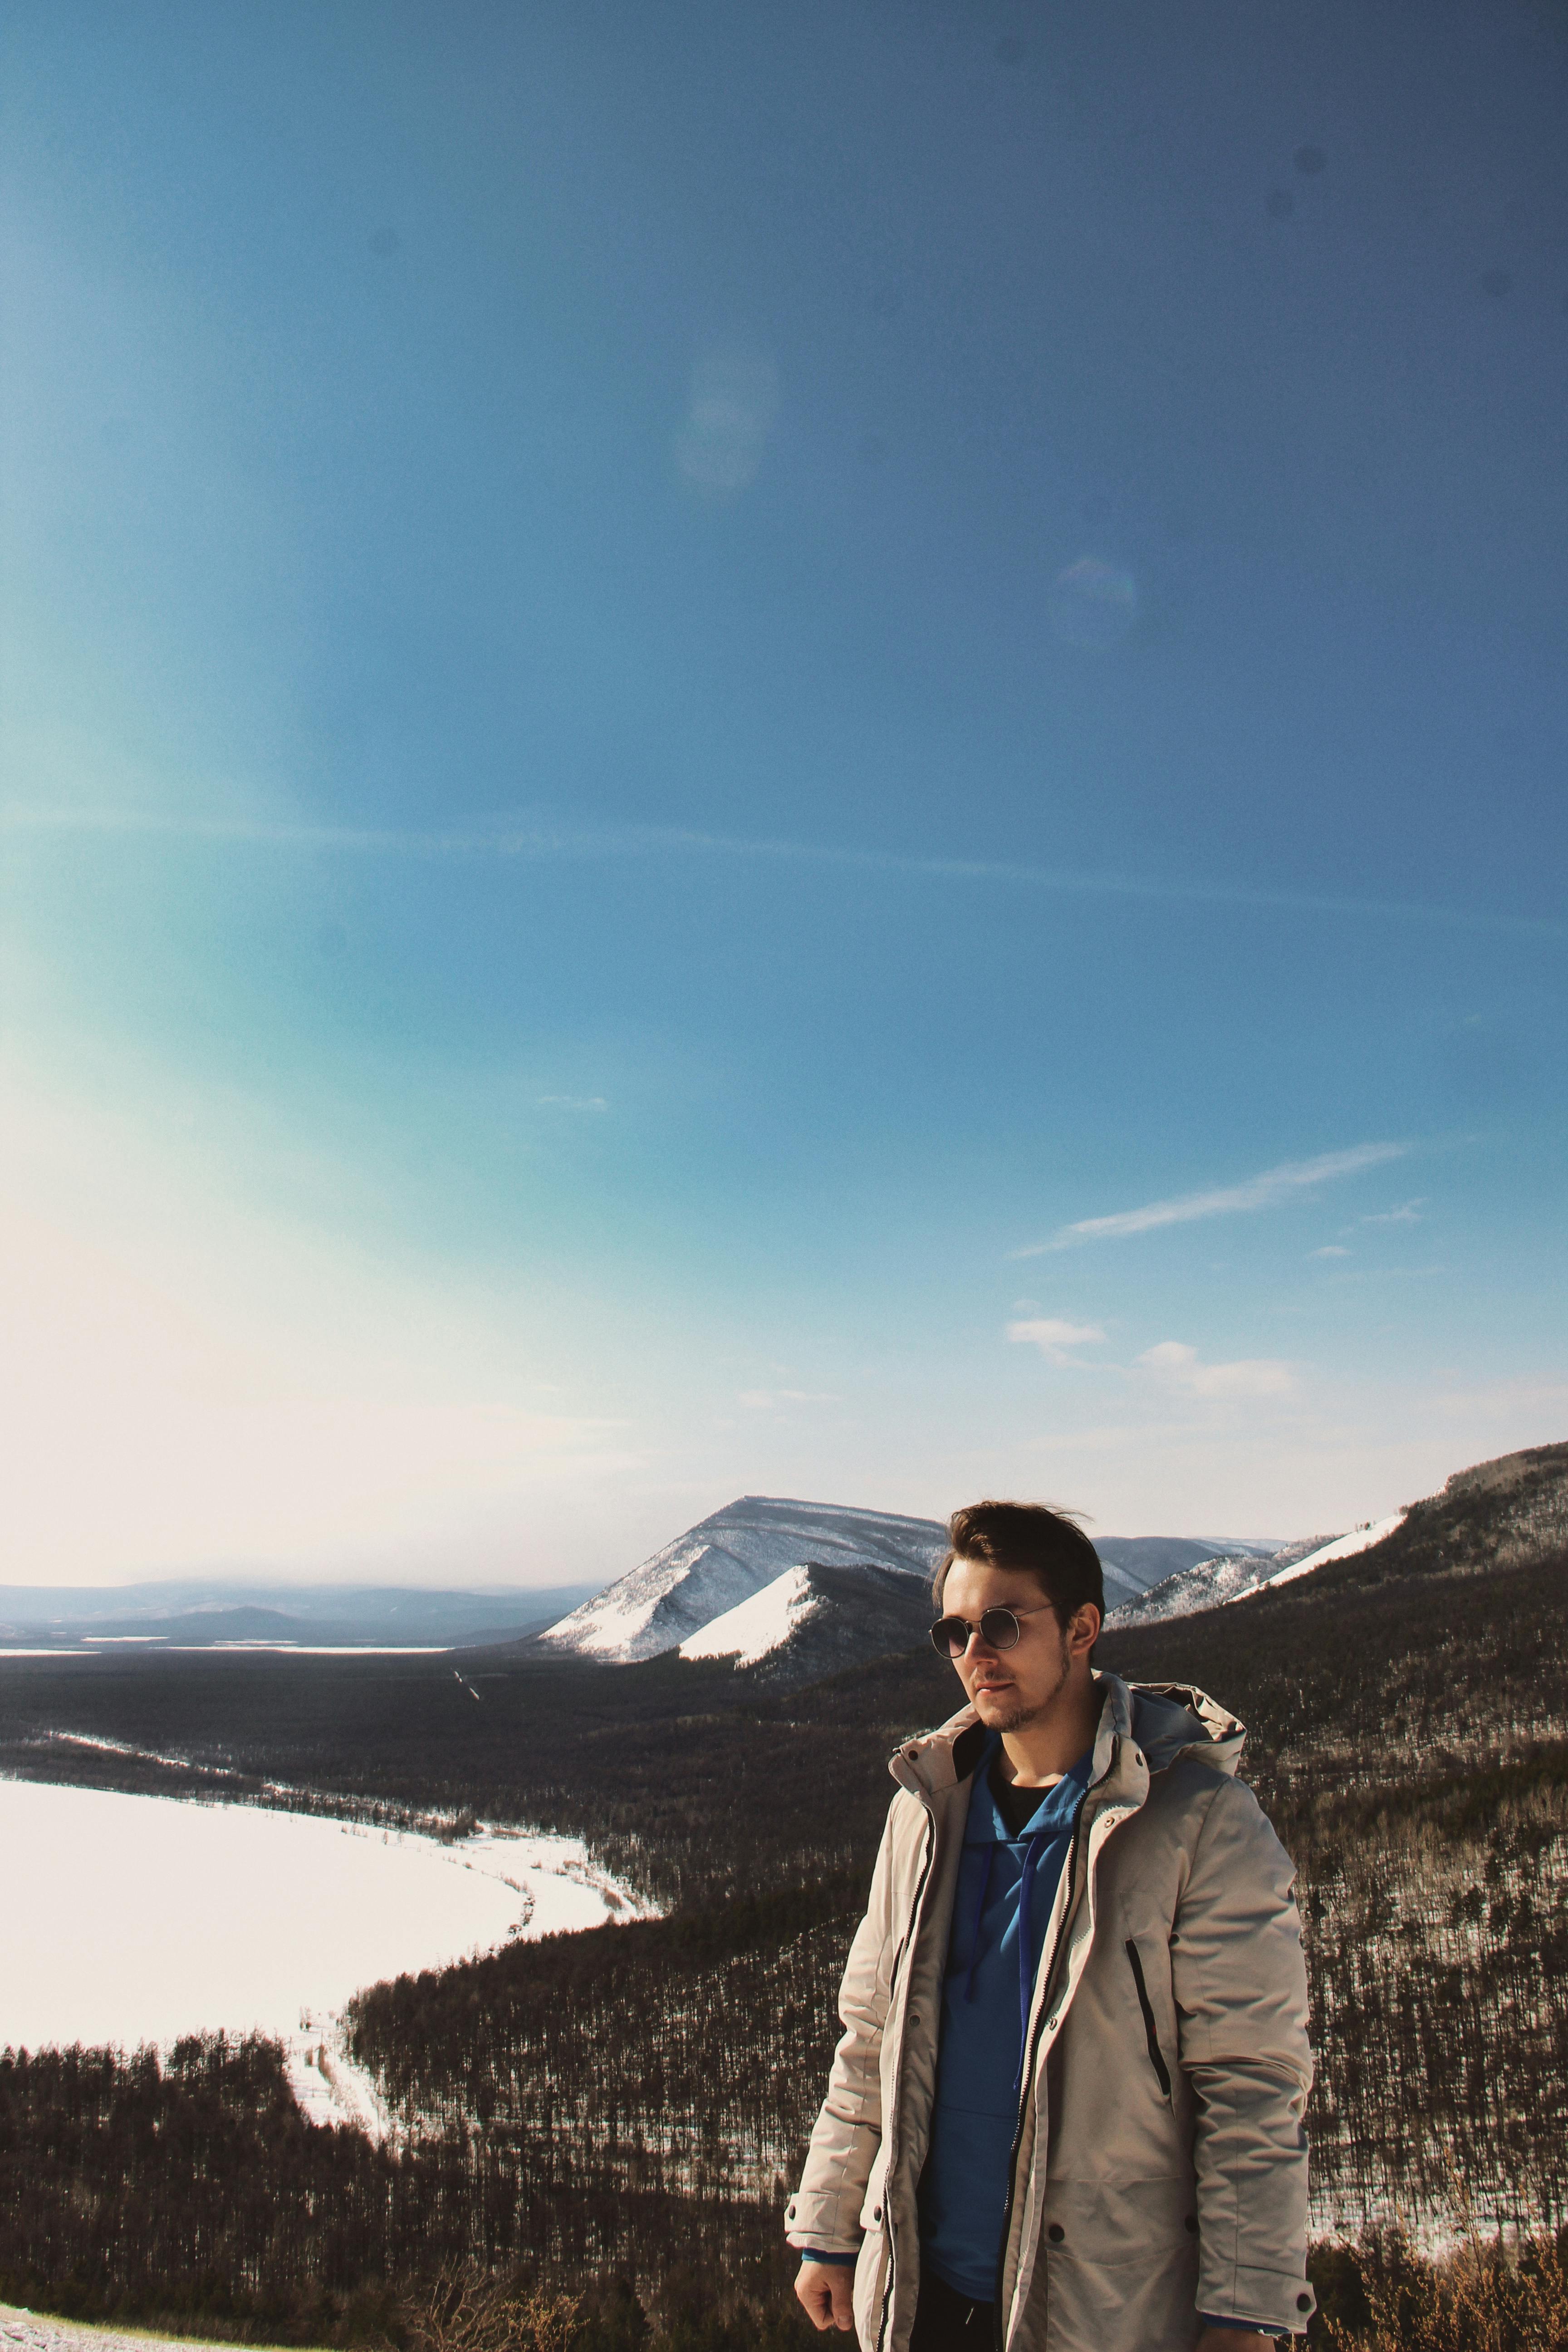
(726, 1558)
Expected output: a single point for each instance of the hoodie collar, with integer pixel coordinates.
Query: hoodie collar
(1143, 1727)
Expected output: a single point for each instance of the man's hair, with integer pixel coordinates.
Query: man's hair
(1047, 1545)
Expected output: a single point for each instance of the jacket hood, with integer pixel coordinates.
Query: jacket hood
(1172, 1722)
(1166, 1723)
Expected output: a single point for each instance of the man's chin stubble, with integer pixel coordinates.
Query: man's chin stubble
(1019, 1717)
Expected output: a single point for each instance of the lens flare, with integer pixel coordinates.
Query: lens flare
(1092, 604)
(730, 410)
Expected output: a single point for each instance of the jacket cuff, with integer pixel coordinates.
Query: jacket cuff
(1273, 2302)
(821, 2254)
(814, 2219)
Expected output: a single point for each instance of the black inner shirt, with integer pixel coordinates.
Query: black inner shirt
(1016, 1806)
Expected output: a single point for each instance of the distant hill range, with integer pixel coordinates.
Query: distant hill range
(1232, 1575)
(815, 1620)
(811, 1587)
(1509, 1513)
(226, 1614)
(792, 1590)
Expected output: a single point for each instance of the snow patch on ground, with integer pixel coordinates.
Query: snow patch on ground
(1342, 1547)
(41, 2331)
(763, 1622)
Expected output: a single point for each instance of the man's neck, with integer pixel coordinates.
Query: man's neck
(1051, 1743)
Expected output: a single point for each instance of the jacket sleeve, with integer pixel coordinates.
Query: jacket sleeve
(1240, 1984)
(825, 2210)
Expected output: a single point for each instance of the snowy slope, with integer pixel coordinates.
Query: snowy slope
(1135, 1564)
(1209, 1583)
(813, 1621)
(1344, 1547)
(723, 1561)
(759, 1625)
(1231, 1577)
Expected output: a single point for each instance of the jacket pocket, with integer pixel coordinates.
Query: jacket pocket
(870, 2289)
(1156, 2055)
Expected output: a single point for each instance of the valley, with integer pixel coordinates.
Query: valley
(615, 2099)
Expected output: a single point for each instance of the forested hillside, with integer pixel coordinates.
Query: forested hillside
(192, 2191)
(685, 2054)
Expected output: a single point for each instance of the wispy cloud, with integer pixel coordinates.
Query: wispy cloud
(1229, 1199)
(1331, 1249)
(571, 1102)
(1408, 1214)
(540, 841)
(765, 1400)
(1053, 1338)
(1180, 1367)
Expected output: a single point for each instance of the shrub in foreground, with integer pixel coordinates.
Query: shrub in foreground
(1381, 2295)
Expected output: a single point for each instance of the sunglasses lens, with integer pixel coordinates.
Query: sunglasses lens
(1000, 1628)
(950, 1637)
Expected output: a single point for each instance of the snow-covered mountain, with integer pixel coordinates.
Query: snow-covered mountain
(1230, 1575)
(724, 1560)
(814, 1622)
(1135, 1564)
(1208, 1583)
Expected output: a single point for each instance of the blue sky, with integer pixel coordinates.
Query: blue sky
(687, 691)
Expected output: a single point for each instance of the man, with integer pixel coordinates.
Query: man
(1066, 2112)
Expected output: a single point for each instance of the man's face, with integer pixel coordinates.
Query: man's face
(1006, 1688)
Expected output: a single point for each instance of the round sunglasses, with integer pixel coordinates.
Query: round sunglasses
(998, 1628)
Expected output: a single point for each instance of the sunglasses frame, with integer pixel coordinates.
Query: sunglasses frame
(942, 1643)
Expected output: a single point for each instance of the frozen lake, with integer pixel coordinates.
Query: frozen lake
(140, 1918)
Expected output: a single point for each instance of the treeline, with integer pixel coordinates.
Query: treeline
(195, 2189)
(1437, 1957)
(192, 2192)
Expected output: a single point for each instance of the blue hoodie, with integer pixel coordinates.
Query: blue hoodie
(987, 1995)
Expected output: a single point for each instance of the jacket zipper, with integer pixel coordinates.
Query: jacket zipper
(1155, 2053)
(892, 1987)
(1026, 2083)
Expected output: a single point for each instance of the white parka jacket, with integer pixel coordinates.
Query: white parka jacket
(1160, 2163)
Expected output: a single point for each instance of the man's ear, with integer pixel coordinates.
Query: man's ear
(1083, 1630)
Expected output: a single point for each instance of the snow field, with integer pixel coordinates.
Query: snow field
(150, 1917)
